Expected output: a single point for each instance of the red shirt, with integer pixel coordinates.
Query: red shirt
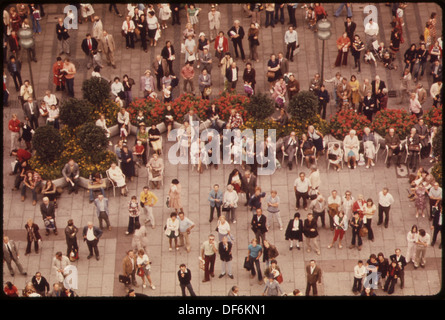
(23, 155)
(14, 125)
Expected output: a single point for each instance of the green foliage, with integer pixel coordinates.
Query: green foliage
(48, 143)
(96, 90)
(436, 171)
(303, 106)
(260, 106)
(437, 144)
(92, 139)
(75, 112)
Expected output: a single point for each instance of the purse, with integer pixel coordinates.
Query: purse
(414, 147)
(279, 278)
(124, 279)
(141, 272)
(247, 264)
(270, 74)
(332, 156)
(363, 232)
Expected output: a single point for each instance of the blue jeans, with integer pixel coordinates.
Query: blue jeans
(270, 18)
(92, 194)
(340, 9)
(33, 191)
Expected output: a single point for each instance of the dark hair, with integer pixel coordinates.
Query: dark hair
(296, 215)
(422, 232)
(182, 265)
(173, 214)
(175, 181)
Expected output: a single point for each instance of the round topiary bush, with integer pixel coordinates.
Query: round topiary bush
(260, 106)
(48, 143)
(92, 139)
(96, 90)
(75, 112)
(303, 106)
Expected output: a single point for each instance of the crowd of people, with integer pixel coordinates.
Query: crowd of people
(143, 24)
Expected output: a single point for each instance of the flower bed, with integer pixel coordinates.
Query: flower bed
(433, 118)
(399, 119)
(345, 120)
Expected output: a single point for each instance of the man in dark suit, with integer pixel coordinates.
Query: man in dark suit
(313, 275)
(350, 27)
(258, 225)
(232, 75)
(249, 184)
(48, 211)
(401, 261)
(290, 145)
(377, 88)
(236, 33)
(89, 44)
(11, 253)
(91, 235)
(31, 110)
(175, 13)
(185, 277)
(160, 69)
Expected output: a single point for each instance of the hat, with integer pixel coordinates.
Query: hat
(202, 34)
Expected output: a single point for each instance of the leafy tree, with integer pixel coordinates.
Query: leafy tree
(48, 143)
(96, 90)
(303, 106)
(260, 106)
(92, 139)
(75, 112)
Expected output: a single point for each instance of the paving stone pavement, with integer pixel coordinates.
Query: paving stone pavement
(100, 278)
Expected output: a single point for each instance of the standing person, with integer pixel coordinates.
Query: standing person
(273, 202)
(32, 235)
(214, 22)
(230, 203)
(48, 211)
(133, 212)
(232, 75)
(72, 250)
(216, 200)
(313, 275)
(369, 211)
(168, 53)
(185, 227)
(172, 230)
(188, 73)
(58, 75)
(437, 222)
(259, 225)
(102, 211)
(225, 254)
(343, 44)
(128, 28)
(62, 37)
(411, 238)
(11, 253)
(311, 234)
(129, 267)
(323, 100)
(357, 47)
(14, 68)
(144, 266)
(252, 37)
(318, 207)
(70, 70)
(148, 200)
(291, 8)
(383, 264)
(14, 129)
(294, 231)
(205, 84)
(359, 275)
(255, 251)
(371, 33)
(385, 202)
(421, 244)
(40, 284)
(185, 277)
(208, 254)
(89, 45)
(272, 287)
(401, 262)
(302, 186)
(340, 225)
(59, 263)
(236, 33)
(91, 235)
(32, 180)
(356, 224)
(108, 47)
(175, 196)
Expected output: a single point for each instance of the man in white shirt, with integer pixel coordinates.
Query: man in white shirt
(371, 32)
(435, 90)
(91, 235)
(435, 196)
(291, 40)
(50, 99)
(359, 275)
(302, 186)
(123, 118)
(318, 207)
(385, 202)
(334, 204)
(185, 226)
(423, 241)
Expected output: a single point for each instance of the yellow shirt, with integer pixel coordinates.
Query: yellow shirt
(148, 198)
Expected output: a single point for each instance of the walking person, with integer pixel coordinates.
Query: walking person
(225, 254)
(185, 227)
(91, 235)
(208, 254)
(385, 202)
(11, 253)
(313, 275)
(311, 234)
(185, 277)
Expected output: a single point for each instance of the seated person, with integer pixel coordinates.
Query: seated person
(369, 147)
(115, 174)
(334, 156)
(32, 180)
(139, 151)
(351, 147)
(154, 138)
(155, 168)
(96, 179)
(49, 190)
(308, 148)
(71, 174)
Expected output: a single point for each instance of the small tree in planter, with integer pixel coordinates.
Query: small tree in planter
(92, 139)
(96, 90)
(75, 112)
(303, 106)
(48, 143)
(260, 106)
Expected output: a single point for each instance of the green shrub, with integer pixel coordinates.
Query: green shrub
(96, 90)
(92, 139)
(437, 144)
(48, 143)
(304, 105)
(75, 112)
(260, 106)
(436, 171)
